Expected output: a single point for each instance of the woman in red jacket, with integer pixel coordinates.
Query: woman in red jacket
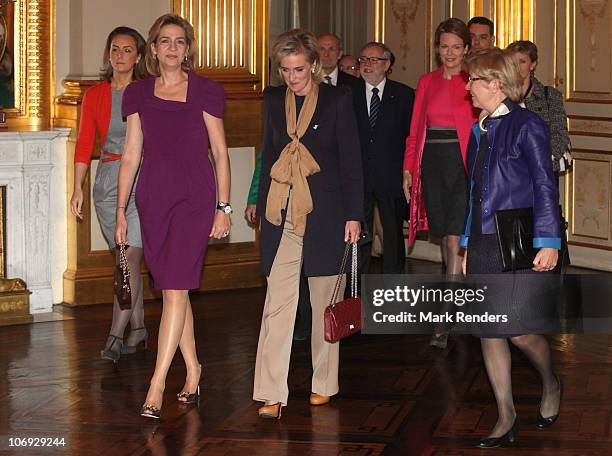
(435, 179)
(123, 62)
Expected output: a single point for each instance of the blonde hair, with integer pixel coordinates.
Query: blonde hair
(298, 41)
(161, 22)
(494, 63)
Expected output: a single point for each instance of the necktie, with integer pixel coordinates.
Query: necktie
(374, 107)
(328, 80)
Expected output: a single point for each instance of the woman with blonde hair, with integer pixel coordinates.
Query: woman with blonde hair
(546, 101)
(123, 62)
(174, 114)
(311, 203)
(509, 167)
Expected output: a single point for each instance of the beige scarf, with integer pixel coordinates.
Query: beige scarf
(293, 166)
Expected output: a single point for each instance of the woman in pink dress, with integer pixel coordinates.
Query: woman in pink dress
(435, 178)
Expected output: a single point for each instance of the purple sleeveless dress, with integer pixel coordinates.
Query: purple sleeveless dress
(176, 190)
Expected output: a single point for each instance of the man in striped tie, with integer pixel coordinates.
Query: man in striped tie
(384, 109)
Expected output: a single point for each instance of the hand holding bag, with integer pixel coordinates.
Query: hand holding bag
(344, 318)
(123, 292)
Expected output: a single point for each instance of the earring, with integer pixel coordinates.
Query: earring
(312, 70)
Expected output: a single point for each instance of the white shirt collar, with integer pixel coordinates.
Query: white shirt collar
(334, 76)
(380, 87)
(368, 90)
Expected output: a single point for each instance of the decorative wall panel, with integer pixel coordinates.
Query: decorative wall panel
(589, 51)
(590, 199)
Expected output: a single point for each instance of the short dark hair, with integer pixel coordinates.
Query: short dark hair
(140, 69)
(483, 21)
(456, 27)
(525, 47)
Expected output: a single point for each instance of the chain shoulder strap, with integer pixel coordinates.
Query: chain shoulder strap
(125, 268)
(347, 249)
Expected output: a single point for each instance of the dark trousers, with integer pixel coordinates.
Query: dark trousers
(392, 211)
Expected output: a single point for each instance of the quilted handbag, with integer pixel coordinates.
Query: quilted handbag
(344, 318)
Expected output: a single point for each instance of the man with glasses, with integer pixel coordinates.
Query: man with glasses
(349, 65)
(330, 51)
(384, 110)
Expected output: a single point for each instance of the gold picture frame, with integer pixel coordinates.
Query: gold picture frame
(32, 60)
(2, 232)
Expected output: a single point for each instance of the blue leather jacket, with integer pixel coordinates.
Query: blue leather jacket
(517, 173)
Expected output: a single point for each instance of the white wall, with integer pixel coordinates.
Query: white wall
(83, 25)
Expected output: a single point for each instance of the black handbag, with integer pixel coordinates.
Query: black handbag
(514, 228)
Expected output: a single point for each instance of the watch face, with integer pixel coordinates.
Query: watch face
(227, 209)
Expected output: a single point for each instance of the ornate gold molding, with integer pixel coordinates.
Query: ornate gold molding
(231, 36)
(379, 20)
(33, 64)
(514, 20)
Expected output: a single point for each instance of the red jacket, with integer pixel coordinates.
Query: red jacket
(95, 117)
(465, 115)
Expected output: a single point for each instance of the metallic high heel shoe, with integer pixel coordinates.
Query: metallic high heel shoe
(543, 423)
(112, 351)
(318, 399)
(505, 440)
(150, 411)
(185, 397)
(131, 349)
(270, 411)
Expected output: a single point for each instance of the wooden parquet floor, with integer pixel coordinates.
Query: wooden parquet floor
(399, 396)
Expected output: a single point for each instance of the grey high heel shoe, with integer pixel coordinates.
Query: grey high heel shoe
(131, 349)
(113, 350)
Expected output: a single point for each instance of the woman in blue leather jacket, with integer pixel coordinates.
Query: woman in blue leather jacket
(509, 167)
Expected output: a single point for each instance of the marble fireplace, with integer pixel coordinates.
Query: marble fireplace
(32, 172)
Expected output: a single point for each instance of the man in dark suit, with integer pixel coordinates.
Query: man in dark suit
(384, 110)
(330, 51)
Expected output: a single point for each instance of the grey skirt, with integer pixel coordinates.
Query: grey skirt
(105, 200)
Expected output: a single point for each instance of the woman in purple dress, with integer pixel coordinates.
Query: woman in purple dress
(171, 116)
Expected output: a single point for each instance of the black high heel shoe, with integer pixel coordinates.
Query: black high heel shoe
(185, 397)
(131, 349)
(150, 411)
(505, 440)
(110, 353)
(543, 423)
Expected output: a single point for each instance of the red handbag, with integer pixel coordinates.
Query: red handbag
(344, 318)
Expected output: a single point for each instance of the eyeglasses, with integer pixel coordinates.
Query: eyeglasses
(374, 60)
(471, 79)
(351, 67)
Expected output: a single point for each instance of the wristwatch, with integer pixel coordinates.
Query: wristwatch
(224, 207)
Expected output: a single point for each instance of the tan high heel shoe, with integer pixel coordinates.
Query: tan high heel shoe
(270, 411)
(318, 399)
